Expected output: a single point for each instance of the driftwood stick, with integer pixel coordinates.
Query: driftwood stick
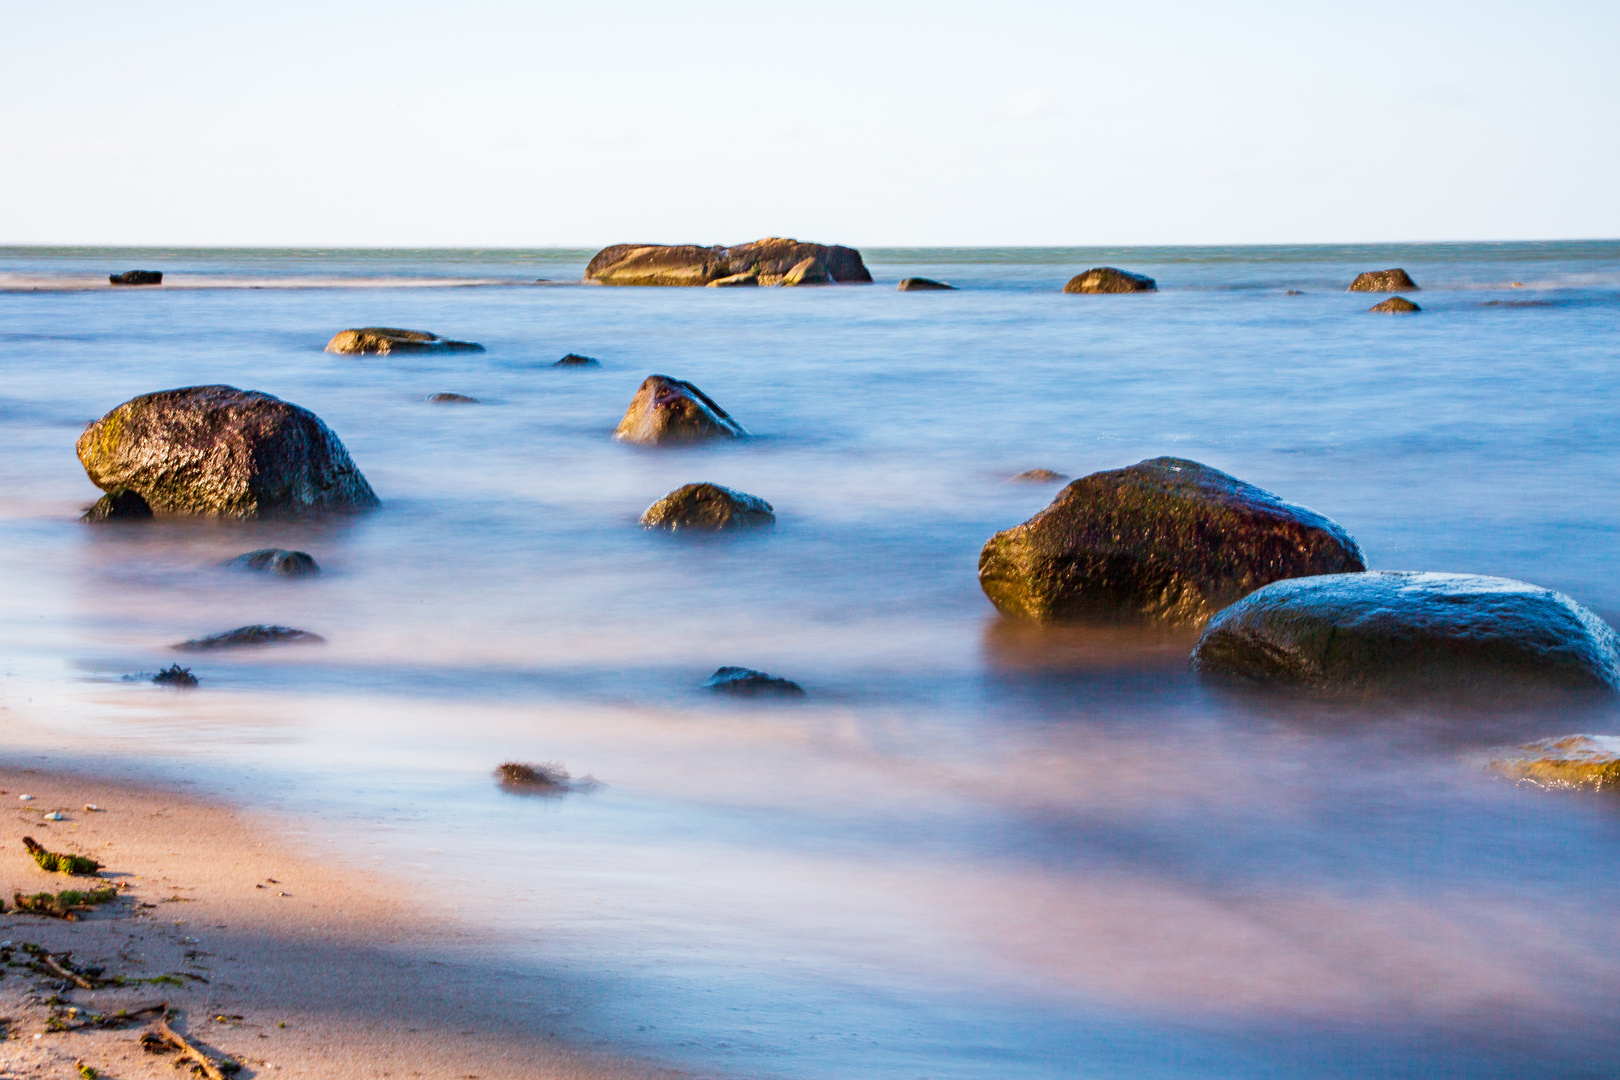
(209, 1068)
(66, 972)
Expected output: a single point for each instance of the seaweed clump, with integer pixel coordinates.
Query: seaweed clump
(66, 904)
(175, 675)
(546, 778)
(54, 862)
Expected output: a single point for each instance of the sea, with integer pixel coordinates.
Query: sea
(976, 848)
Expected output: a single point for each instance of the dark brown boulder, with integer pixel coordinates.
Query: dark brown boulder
(1108, 279)
(120, 505)
(1395, 305)
(667, 410)
(1164, 541)
(278, 561)
(768, 261)
(1392, 280)
(217, 451)
(137, 277)
(922, 284)
(448, 398)
(708, 507)
(383, 340)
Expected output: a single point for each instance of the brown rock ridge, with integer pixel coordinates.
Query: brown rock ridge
(772, 261)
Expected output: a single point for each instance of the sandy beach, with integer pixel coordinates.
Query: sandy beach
(287, 965)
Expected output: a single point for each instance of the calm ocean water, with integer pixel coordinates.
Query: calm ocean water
(977, 849)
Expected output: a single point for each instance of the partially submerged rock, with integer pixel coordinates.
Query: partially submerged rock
(576, 360)
(250, 636)
(746, 682)
(175, 675)
(769, 261)
(922, 284)
(216, 451)
(277, 561)
(547, 778)
(1573, 761)
(1110, 279)
(708, 507)
(1162, 541)
(120, 505)
(1404, 630)
(1395, 305)
(667, 410)
(811, 271)
(137, 277)
(383, 340)
(447, 398)
(1392, 280)
(1037, 476)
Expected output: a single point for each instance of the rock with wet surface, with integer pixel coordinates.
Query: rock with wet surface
(216, 451)
(1164, 541)
(1395, 305)
(1405, 630)
(382, 340)
(576, 360)
(811, 271)
(1392, 280)
(244, 637)
(671, 411)
(922, 284)
(277, 561)
(708, 507)
(746, 682)
(768, 261)
(137, 277)
(1110, 279)
(448, 398)
(120, 505)
(1573, 761)
(1037, 476)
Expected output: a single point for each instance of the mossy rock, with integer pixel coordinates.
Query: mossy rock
(1392, 280)
(1572, 761)
(1165, 541)
(672, 411)
(1110, 279)
(769, 261)
(1398, 631)
(382, 340)
(708, 507)
(1395, 305)
(216, 451)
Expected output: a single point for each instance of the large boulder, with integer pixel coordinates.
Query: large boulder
(708, 507)
(137, 277)
(383, 340)
(1395, 305)
(1573, 761)
(767, 261)
(667, 410)
(1392, 280)
(216, 451)
(1109, 279)
(1390, 630)
(1164, 541)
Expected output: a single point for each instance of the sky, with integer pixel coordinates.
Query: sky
(583, 124)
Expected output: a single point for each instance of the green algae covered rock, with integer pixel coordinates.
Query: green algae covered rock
(1165, 541)
(216, 451)
(1573, 761)
(1410, 631)
(708, 507)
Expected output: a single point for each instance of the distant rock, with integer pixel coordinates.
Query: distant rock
(770, 261)
(137, 277)
(1293, 292)
(175, 675)
(277, 561)
(120, 505)
(667, 410)
(216, 451)
(1392, 280)
(745, 682)
(708, 507)
(452, 399)
(1037, 476)
(1402, 630)
(922, 284)
(811, 271)
(1573, 761)
(1165, 541)
(1395, 305)
(1109, 279)
(250, 636)
(576, 360)
(383, 340)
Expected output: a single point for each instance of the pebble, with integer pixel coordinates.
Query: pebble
(26, 798)
(56, 815)
(91, 806)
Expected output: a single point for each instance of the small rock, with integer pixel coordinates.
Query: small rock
(383, 340)
(1395, 305)
(137, 277)
(55, 815)
(667, 410)
(1574, 761)
(811, 271)
(1109, 279)
(25, 798)
(576, 360)
(245, 636)
(745, 682)
(92, 807)
(1392, 280)
(175, 675)
(922, 284)
(452, 399)
(1293, 292)
(277, 561)
(1037, 476)
(125, 504)
(707, 506)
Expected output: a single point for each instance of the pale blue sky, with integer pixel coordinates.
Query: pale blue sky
(488, 123)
